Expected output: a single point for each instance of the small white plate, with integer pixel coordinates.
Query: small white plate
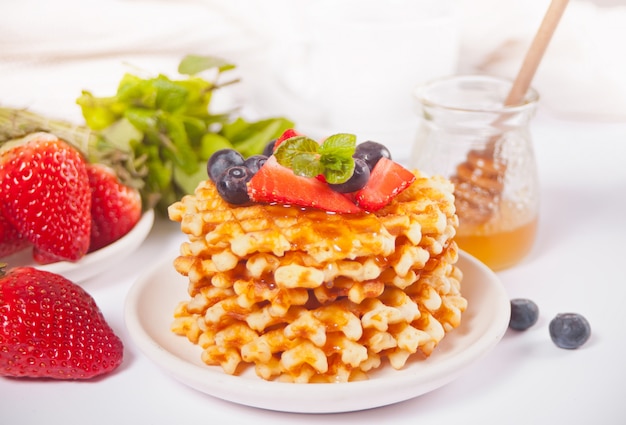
(95, 262)
(149, 312)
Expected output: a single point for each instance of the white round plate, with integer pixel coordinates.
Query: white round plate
(95, 262)
(149, 312)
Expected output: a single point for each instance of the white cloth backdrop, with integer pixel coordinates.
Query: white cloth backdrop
(87, 44)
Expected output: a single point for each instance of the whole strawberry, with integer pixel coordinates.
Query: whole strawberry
(44, 193)
(51, 328)
(10, 239)
(115, 208)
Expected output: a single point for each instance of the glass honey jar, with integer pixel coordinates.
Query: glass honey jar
(468, 135)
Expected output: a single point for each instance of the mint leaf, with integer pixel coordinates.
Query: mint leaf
(199, 96)
(307, 165)
(144, 120)
(194, 64)
(120, 134)
(306, 157)
(300, 154)
(99, 113)
(336, 157)
(251, 138)
(337, 169)
(293, 147)
(170, 96)
(341, 145)
(211, 143)
(183, 155)
(187, 181)
(134, 91)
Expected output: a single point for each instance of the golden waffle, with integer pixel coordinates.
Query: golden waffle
(309, 296)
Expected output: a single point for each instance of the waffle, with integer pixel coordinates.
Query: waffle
(302, 295)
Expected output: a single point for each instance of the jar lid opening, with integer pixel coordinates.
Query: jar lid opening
(473, 93)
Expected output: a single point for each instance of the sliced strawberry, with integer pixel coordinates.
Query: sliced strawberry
(275, 183)
(115, 208)
(287, 134)
(387, 180)
(44, 193)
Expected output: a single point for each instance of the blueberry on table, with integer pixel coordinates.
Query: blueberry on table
(524, 314)
(371, 152)
(360, 177)
(569, 330)
(221, 160)
(232, 184)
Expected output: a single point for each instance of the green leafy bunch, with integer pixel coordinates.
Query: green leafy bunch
(159, 132)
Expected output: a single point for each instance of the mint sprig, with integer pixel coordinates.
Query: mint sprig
(307, 158)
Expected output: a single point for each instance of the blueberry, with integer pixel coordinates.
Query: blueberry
(569, 330)
(269, 148)
(221, 160)
(255, 162)
(524, 314)
(359, 178)
(371, 152)
(232, 184)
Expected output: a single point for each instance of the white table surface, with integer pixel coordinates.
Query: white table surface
(576, 266)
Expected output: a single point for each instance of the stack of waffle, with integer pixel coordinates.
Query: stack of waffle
(303, 295)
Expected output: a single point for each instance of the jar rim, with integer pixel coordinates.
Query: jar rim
(426, 93)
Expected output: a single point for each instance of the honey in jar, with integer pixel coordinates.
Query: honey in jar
(496, 244)
(485, 148)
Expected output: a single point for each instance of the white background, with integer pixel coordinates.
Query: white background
(576, 264)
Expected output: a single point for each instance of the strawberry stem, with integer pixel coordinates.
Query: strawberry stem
(17, 123)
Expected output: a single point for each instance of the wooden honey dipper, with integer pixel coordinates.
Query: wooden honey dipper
(479, 181)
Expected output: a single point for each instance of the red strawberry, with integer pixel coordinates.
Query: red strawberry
(115, 208)
(10, 239)
(51, 328)
(275, 183)
(42, 257)
(287, 134)
(387, 180)
(44, 193)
